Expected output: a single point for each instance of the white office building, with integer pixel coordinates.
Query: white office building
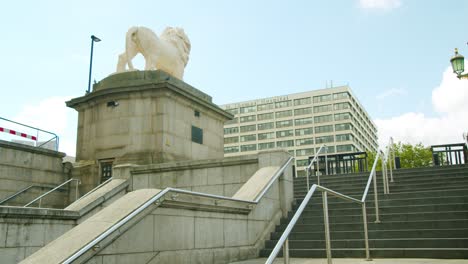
(300, 123)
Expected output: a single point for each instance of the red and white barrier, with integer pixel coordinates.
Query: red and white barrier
(13, 132)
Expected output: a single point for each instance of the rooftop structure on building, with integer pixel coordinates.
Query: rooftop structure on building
(300, 123)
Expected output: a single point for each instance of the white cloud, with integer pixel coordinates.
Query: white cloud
(51, 114)
(450, 102)
(391, 93)
(379, 4)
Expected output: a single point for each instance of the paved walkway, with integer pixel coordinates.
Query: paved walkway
(359, 261)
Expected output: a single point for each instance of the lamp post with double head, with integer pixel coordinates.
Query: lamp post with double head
(93, 39)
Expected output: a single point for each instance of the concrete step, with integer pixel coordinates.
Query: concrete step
(380, 234)
(431, 253)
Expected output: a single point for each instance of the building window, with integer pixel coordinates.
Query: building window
(305, 152)
(322, 98)
(339, 96)
(325, 139)
(233, 111)
(342, 116)
(304, 131)
(323, 119)
(285, 143)
(303, 121)
(248, 128)
(323, 129)
(283, 104)
(231, 130)
(263, 107)
(345, 126)
(232, 121)
(250, 147)
(284, 133)
(106, 169)
(329, 149)
(345, 148)
(302, 101)
(323, 108)
(197, 135)
(344, 137)
(283, 114)
(248, 109)
(302, 163)
(249, 118)
(231, 149)
(265, 116)
(248, 138)
(230, 140)
(304, 141)
(342, 106)
(285, 123)
(263, 136)
(268, 145)
(265, 126)
(303, 111)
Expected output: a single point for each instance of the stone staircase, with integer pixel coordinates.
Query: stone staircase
(424, 216)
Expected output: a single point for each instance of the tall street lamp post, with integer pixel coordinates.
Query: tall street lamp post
(458, 65)
(93, 39)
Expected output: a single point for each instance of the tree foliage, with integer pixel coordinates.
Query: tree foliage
(411, 156)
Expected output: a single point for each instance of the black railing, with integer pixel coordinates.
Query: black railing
(450, 154)
(343, 163)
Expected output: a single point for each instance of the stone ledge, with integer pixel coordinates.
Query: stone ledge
(196, 164)
(22, 147)
(37, 213)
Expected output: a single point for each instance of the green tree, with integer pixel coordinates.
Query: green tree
(413, 156)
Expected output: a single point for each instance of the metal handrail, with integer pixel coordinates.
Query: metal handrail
(315, 159)
(38, 129)
(158, 196)
(283, 240)
(6, 199)
(94, 189)
(54, 189)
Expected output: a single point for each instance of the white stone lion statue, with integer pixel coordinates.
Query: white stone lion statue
(170, 52)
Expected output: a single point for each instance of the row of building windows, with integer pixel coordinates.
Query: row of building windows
(289, 123)
(284, 144)
(288, 113)
(288, 133)
(297, 122)
(288, 103)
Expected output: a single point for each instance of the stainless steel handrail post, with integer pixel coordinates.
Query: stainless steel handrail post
(326, 163)
(317, 171)
(286, 251)
(307, 177)
(366, 232)
(76, 191)
(327, 227)
(376, 199)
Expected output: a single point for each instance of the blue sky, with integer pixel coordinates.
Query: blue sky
(393, 53)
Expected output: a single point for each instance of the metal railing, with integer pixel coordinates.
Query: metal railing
(95, 189)
(316, 160)
(157, 200)
(34, 138)
(283, 242)
(13, 196)
(54, 189)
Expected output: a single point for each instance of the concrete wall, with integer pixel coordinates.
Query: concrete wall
(218, 176)
(170, 235)
(25, 231)
(22, 166)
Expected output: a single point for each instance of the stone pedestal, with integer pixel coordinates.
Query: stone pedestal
(145, 117)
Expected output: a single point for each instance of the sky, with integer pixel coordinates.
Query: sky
(394, 54)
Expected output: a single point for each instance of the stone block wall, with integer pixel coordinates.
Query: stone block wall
(218, 176)
(22, 166)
